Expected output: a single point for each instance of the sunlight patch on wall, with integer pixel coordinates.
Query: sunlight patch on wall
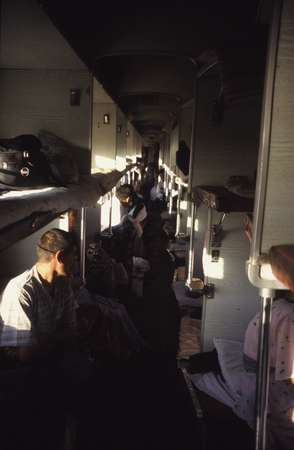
(212, 269)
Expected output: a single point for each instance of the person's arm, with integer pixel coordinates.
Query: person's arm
(138, 212)
(284, 343)
(17, 318)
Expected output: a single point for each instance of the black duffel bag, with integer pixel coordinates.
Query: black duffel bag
(22, 165)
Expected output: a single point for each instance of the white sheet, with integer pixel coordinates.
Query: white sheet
(238, 389)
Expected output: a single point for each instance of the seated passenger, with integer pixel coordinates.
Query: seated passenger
(37, 309)
(100, 275)
(160, 321)
(132, 207)
(111, 334)
(148, 182)
(157, 194)
(234, 384)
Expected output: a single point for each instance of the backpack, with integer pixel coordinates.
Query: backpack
(22, 165)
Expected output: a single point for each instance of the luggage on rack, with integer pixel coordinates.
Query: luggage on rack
(22, 165)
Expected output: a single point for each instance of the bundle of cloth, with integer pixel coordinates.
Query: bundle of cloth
(110, 330)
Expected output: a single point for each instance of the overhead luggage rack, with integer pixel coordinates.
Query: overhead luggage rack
(221, 199)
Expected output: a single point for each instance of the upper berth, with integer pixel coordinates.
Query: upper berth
(24, 212)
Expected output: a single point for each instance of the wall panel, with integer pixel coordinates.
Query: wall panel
(222, 151)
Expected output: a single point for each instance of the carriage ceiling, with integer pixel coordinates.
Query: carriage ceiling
(146, 55)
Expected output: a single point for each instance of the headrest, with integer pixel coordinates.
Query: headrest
(281, 258)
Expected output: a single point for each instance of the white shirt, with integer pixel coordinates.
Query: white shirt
(27, 308)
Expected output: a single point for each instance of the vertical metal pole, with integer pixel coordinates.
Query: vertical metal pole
(170, 208)
(178, 226)
(83, 244)
(207, 246)
(110, 212)
(191, 247)
(166, 183)
(266, 295)
(192, 205)
(262, 381)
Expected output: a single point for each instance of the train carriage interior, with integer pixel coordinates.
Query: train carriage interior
(146, 228)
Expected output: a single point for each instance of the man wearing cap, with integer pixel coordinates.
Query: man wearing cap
(37, 308)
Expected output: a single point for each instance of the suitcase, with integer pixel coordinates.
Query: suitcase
(22, 165)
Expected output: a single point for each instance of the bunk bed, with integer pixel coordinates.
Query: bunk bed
(24, 212)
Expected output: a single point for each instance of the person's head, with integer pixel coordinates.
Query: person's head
(281, 258)
(56, 250)
(183, 145)
(125, 194)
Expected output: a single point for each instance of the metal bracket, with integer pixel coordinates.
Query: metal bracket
(254, 276)
(209, 290)
(217, 233)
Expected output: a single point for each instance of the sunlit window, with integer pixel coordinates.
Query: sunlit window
(106, 203)
(120, 163)
(189, 222)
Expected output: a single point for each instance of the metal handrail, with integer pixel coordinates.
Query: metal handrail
(266, 287)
